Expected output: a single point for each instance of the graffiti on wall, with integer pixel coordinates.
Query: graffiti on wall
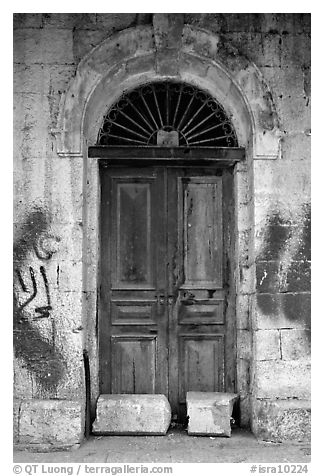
(32, 249)
(40, 311)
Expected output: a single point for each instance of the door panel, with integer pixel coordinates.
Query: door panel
(131, 235)
(201, 364)
(164, 296)
(133, 364)
(202, 230)
(197, 326)
(133, 324)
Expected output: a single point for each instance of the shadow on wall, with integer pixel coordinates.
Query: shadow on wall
(283, 269)
(38, 354)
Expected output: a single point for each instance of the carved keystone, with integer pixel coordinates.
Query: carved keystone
(132, 415)
(210, 413)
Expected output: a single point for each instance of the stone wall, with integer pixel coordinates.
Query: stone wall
(55, 302)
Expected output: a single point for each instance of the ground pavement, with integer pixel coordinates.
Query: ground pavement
(175, 447)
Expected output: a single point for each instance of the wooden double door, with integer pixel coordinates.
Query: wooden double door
(166, 320)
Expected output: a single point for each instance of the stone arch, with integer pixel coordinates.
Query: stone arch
(136, 56)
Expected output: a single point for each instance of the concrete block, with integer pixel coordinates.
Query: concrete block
(267, 345)
(210, 413)
(282, 420)
(56, 423)
(295, 344)
(132, 414)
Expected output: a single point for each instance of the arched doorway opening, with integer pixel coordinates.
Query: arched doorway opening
(167, 152)
(128, 60)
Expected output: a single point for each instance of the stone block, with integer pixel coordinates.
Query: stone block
(282, 379)
(33, 78)
(282, 420)
(246, 252)
(295, 344)
(247, 277)
(132, 415)
(73, 21)
(267, 345)
(243, 307)
(245, 412)
(111, 22)
(27, 20)
(267, 276)
(296, 147)
(296, 50)
(210, 413)
(285, 310)
(244, 344)
(299, 277)
(43, 46)
(199, 42)
(16, 416)
(173, 24)
(243, 377)
(85, 40)
(55, 423)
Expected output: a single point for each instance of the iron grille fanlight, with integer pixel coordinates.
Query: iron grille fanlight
(188, 114)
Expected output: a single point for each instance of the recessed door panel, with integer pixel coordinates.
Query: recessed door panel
(133, 364)
(201, 364)
(202, 230)
(132, 237)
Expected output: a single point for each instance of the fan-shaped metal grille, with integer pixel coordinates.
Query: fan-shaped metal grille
(189, 116)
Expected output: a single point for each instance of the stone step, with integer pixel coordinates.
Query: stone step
(210, 413)
(125, 414)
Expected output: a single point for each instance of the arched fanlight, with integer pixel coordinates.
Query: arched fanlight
(167, 113)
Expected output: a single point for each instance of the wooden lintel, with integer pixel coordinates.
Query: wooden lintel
(224, 155)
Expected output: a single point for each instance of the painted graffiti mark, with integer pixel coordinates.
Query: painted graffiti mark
(43, 311)
(46, 246)
(38, 354)
(34, 293)
(21, 281)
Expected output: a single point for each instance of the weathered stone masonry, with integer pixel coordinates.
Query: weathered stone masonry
(68, 70)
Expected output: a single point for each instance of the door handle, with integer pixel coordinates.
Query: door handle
(171, 299)
(160, 300)
(188, 299)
